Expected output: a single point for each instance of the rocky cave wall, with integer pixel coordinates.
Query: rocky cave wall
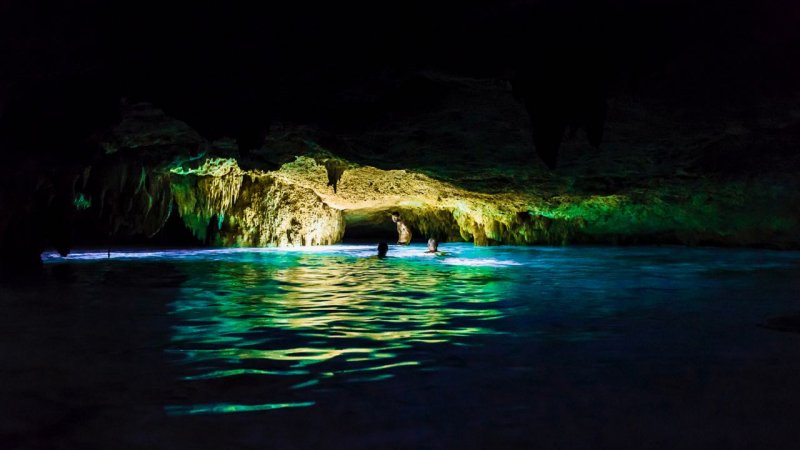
(454, 175)
(251, 208)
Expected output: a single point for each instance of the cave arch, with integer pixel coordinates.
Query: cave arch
(375, 224)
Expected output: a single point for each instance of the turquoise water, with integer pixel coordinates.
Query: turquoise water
(477, 347)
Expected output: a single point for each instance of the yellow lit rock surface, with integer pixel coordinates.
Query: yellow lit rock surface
(473, 189)
(432, 207)
(294, 205)
(252, 208)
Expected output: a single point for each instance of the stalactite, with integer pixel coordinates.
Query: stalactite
(274, 213)
(204, 192)
(122, 204)
(335, 169)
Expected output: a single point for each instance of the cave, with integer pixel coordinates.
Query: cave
(192, 196)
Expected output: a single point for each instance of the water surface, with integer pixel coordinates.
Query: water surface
(330, 347)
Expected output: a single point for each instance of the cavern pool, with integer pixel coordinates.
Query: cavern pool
(329, 347)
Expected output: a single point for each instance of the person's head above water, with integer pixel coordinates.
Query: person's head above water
(383, 247)
(432, 245)
(395, 216)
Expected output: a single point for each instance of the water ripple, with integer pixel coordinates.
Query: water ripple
(268, 329)
(318, 318)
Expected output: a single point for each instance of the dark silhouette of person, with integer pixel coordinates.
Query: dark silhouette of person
(383, 247)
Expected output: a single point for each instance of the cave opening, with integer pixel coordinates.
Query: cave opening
(375, 225)
(370, 226)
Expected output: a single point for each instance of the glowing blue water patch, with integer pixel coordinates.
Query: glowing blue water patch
(227, 408)
(352, 250)
(480, 262)
(395, 251)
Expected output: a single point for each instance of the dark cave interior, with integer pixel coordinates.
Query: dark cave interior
(615, 185)
(608, 98)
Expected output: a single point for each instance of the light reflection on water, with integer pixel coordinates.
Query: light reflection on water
(326, 318)
(292, 324)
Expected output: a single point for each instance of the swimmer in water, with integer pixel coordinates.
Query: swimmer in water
(383, 247)
(433, 246)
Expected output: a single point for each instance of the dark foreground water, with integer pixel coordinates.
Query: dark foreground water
(501, 347)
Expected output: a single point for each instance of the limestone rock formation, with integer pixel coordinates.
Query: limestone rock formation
(251, 208)
(457, 170)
